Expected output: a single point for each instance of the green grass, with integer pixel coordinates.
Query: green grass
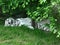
(25, 36)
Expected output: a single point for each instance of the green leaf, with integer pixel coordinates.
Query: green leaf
(23, 5)
(42, 1)
(55, 31)
(38, 7)
(26, 3)
(38, 19)
(58, 36)
(58, 33)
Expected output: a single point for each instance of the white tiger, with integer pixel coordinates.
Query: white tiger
(25, 22)
(41, 25)
(9, 22)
